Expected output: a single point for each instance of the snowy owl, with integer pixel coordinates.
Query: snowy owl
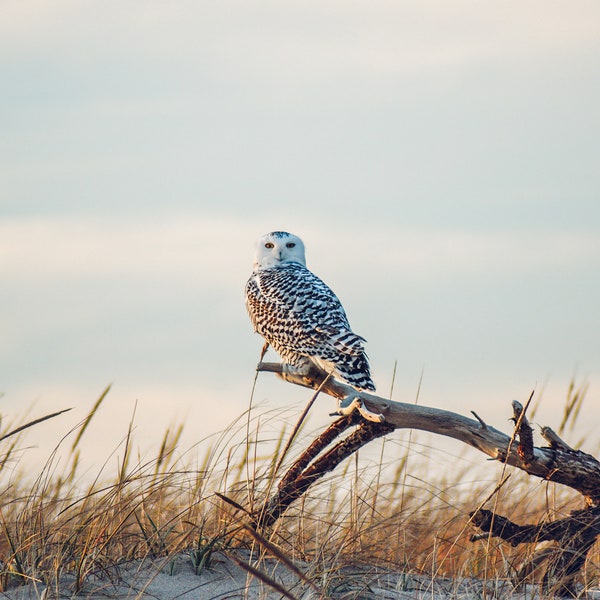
(299, 316)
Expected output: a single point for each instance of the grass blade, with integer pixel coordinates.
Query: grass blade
(267, 545)
(34, 422)
(264, 578)
(90, 416)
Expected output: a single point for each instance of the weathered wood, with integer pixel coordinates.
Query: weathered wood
(498, 526)
(575, 535)
(310, 467)
(524, 433)
(558, 462)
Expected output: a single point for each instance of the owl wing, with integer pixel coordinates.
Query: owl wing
(292, 308)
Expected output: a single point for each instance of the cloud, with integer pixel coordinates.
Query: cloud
(296, 38)
(473, 254)
(219, 250)
(426, 255)
(42, 249)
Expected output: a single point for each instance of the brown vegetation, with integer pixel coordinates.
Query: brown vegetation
(388, 507)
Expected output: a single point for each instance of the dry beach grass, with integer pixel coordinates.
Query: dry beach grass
(391, 522)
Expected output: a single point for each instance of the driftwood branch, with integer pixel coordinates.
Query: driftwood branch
(315, 462)
(586, 519)
(574, 535)
(556, 462)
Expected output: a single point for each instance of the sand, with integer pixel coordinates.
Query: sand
(175, 579)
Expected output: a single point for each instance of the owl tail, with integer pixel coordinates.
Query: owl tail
(354, 369)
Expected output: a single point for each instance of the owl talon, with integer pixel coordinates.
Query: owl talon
(347, 406)
(370, 416)
(351, 403)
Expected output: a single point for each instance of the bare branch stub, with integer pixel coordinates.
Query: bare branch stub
(554, 440)
(524, 433)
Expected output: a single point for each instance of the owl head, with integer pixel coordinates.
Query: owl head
(278, 248)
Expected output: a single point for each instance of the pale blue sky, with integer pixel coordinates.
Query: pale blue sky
(439, 159)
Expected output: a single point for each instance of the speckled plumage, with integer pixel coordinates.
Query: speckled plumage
(299, 315)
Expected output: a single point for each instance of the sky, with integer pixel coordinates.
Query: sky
(439, 160)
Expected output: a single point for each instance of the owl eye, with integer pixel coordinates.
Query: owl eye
(290, 244)
(269, 245)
